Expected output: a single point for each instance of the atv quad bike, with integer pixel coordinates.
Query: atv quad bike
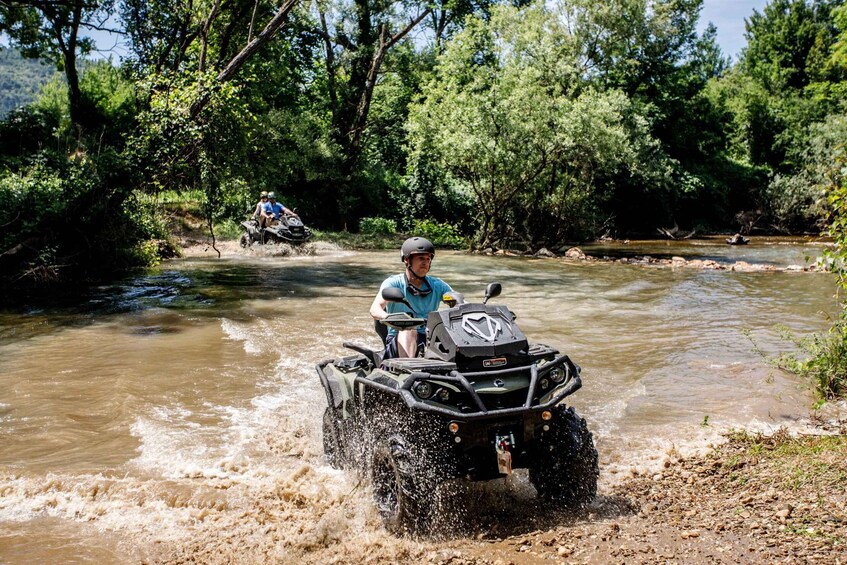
(289, 229)
(479, 404)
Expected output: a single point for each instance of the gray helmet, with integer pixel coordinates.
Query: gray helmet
(272, 195)
(415, 245)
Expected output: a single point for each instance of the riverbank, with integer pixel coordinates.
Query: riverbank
(193, 241)
(754, 499)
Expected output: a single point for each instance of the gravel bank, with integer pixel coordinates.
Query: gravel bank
(778, 499)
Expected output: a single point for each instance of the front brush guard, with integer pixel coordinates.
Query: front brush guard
(572, 383)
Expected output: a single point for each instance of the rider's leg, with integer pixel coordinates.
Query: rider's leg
(407, 343)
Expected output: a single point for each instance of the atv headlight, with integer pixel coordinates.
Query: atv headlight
(557, 375)
(443, 395)
(545, 384)
(423, 389)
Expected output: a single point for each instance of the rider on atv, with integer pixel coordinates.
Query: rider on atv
(273, 210)
(424, 293)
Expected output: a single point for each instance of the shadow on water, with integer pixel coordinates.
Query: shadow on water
(181, 296)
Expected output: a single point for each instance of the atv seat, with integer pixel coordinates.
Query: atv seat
(375, 357)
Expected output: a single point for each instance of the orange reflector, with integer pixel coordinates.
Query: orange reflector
(453, 427)
(546, 415)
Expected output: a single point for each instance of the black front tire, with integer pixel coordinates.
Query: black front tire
(399, 491)
(332, 439)
(244, 241)
(565, 469)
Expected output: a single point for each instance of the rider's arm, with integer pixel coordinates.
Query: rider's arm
(378, 307)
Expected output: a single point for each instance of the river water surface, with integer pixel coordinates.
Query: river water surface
(176, 416)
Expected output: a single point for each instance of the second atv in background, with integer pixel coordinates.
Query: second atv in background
(272, 222)
(289, 229)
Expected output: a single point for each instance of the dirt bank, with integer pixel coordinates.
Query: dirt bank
(754, 499)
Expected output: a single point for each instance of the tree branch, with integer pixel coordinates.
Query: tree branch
(385, 43)
(238, 61)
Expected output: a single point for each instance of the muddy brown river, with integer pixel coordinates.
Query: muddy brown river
(175, 416)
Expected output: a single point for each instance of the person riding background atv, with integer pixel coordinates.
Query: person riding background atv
(424, 293)
(272, 210)
(275, 224)
(257, 212)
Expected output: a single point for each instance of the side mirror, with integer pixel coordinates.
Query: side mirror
(492, 290)
(394, 294)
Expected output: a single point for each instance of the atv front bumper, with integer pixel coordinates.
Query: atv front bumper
(476, 435)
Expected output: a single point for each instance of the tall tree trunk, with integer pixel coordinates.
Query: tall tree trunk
(385, 43)
(357, 128)
(68, 49)
(204, 36)
(330, 65)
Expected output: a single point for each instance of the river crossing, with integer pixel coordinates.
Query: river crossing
(175, 415)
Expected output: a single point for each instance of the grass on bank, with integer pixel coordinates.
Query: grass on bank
(815, 463)
(825, 361)
(818, 358)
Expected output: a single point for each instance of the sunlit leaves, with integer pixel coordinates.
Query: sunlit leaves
(507, 116)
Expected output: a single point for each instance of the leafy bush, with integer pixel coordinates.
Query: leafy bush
(228, 229)
(373, 226)
(826, 353)
(439, 233)
(826, 362)
(27, 201)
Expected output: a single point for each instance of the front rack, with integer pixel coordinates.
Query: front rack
(571, 383)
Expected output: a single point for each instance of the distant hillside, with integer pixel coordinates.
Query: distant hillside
(20, 79)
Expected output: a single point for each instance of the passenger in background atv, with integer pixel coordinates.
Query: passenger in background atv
(257, 213)
(273, 210)
(423, 292)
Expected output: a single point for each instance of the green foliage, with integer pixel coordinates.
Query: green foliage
(824, 355)
(838, 59)
(370, 226)
(348, 240)
(145, 253)
(522, 124)
(27, 201)
(439, 233)
(822, 360)
(788, 43)
(501, 120)
(228, 229)
(784, 87)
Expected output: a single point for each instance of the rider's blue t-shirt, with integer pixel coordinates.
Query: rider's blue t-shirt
(423, 305)
(274, 208)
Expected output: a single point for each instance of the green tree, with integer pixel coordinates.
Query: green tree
(788, 43)
(54, 31)
(504, 119)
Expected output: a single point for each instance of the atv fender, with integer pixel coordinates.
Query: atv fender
(337, 383)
